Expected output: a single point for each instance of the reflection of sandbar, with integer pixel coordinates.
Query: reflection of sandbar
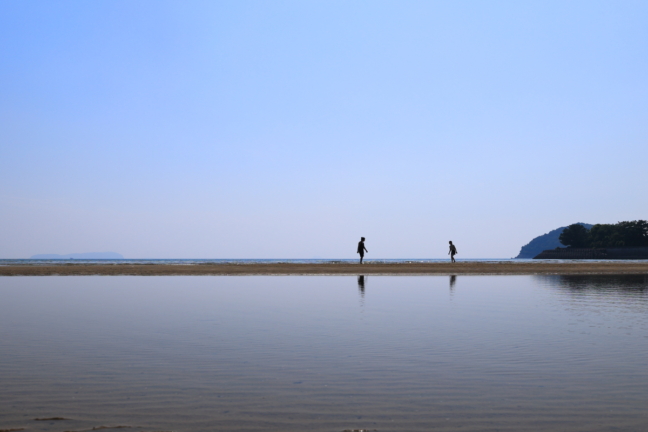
(460, 268)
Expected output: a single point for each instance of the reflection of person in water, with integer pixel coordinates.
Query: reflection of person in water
(361, 248)
(453, 251)
(453, 281)
(361, 285)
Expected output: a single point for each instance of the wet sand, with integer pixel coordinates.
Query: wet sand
(216, 269)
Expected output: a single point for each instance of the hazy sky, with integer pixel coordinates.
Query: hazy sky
(277, 129)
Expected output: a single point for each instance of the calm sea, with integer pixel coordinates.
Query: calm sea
(331, 353)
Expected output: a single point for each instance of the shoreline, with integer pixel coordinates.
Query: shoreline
(297, 269)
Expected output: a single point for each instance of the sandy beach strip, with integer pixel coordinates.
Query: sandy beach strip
(224, 269)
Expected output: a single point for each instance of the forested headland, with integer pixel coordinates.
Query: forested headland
(619, 235)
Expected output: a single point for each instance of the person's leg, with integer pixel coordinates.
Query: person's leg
(452, 258)
(361, 256)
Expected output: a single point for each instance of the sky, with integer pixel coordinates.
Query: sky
(288, 129)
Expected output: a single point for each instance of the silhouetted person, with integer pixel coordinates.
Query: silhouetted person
(453, 251)
(361, 285)
(361, 248)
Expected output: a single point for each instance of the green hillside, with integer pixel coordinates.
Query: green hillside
(544, 242)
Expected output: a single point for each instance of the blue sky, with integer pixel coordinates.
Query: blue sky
(289, 129)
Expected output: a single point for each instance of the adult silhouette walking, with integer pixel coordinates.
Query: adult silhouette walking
(361, 248)
(453, 251)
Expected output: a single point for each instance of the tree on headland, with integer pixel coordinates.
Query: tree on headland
(575, 235)
(622, 234)
(633, 233)
(605, 235)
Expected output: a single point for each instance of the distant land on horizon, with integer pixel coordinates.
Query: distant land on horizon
(534, 247)
(545, 242)
(88, 255)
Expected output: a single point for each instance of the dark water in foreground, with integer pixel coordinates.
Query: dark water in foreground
(471, 353)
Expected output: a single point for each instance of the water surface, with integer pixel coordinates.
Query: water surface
(325, 353)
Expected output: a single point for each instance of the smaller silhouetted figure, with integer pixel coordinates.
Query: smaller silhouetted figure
(361, 248)
(453, 251)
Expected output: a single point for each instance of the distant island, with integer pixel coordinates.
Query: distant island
(546, 241)
(88, 255)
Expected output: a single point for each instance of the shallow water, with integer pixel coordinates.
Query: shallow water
(328, 353)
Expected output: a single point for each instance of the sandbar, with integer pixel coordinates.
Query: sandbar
(414, 268)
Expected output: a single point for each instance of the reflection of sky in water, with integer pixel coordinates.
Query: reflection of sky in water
(414, 351)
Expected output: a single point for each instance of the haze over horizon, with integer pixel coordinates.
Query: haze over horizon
(162, 129)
